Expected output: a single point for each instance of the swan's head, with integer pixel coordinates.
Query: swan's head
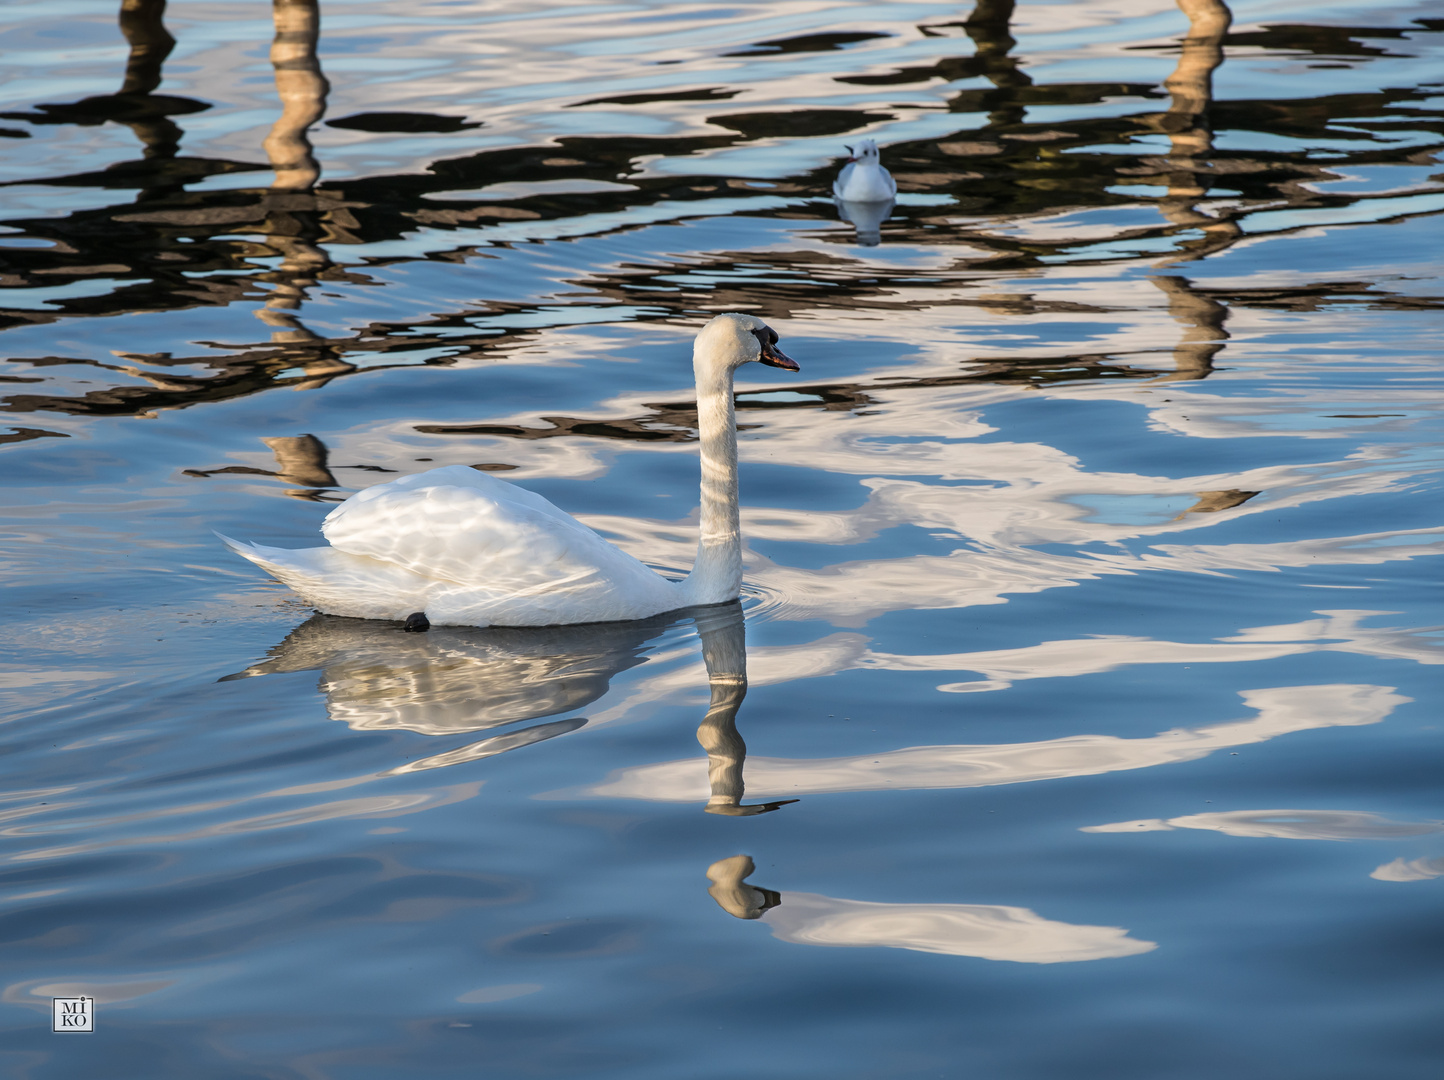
(730, 341)
(865, 150)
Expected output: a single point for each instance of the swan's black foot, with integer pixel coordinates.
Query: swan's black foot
(416, 623)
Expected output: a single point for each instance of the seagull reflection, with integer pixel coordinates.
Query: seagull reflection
(866, 218)
(987, 931)
(458, 679)
(724, 650)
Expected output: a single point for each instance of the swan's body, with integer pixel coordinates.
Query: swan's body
(863, 179)
(467, 549)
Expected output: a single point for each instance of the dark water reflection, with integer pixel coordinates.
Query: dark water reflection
(1088, 650)
(173, 248)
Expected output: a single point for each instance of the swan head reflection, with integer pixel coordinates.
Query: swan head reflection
(456, 679)
(733, 894)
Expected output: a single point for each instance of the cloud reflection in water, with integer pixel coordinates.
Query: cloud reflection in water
(1402, 869)
(1283, 824)
(1281, 711)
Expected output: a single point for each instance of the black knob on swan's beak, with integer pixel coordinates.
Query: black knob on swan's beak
(772, 356)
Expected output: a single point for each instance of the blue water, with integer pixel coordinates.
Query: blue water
(1092, 619)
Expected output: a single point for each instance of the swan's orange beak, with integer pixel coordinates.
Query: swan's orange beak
(772, 356)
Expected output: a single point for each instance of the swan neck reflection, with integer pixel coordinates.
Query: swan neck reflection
(724, 651)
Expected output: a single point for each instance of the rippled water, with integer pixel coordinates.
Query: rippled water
(1092, 621)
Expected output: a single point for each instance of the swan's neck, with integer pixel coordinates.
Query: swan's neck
(716, 576)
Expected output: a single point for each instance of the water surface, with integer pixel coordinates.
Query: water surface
(1071, 744)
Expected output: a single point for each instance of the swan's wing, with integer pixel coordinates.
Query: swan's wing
(462, 526)
(888, 180)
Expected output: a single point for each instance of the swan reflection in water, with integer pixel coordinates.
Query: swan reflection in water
(987, 931)
(453, 680)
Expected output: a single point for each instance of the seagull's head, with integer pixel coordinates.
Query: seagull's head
(865, 150)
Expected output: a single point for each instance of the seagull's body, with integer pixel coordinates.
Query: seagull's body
(863, 179)
(467, 549)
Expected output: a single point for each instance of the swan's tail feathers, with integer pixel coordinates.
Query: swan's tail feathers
(240, 547)
(272, 560)
(286, 566)
(338, 583)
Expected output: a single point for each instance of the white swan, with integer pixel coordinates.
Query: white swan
(463, 548)
(863, 179)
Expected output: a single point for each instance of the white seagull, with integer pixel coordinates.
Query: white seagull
(863, 179)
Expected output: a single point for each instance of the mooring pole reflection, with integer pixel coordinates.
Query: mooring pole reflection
(136, 104)
(1190, 131)
(988, 27)
(1201, 320)
(302, 89)
(294, 224)
(1190, 137)
(142, 23)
